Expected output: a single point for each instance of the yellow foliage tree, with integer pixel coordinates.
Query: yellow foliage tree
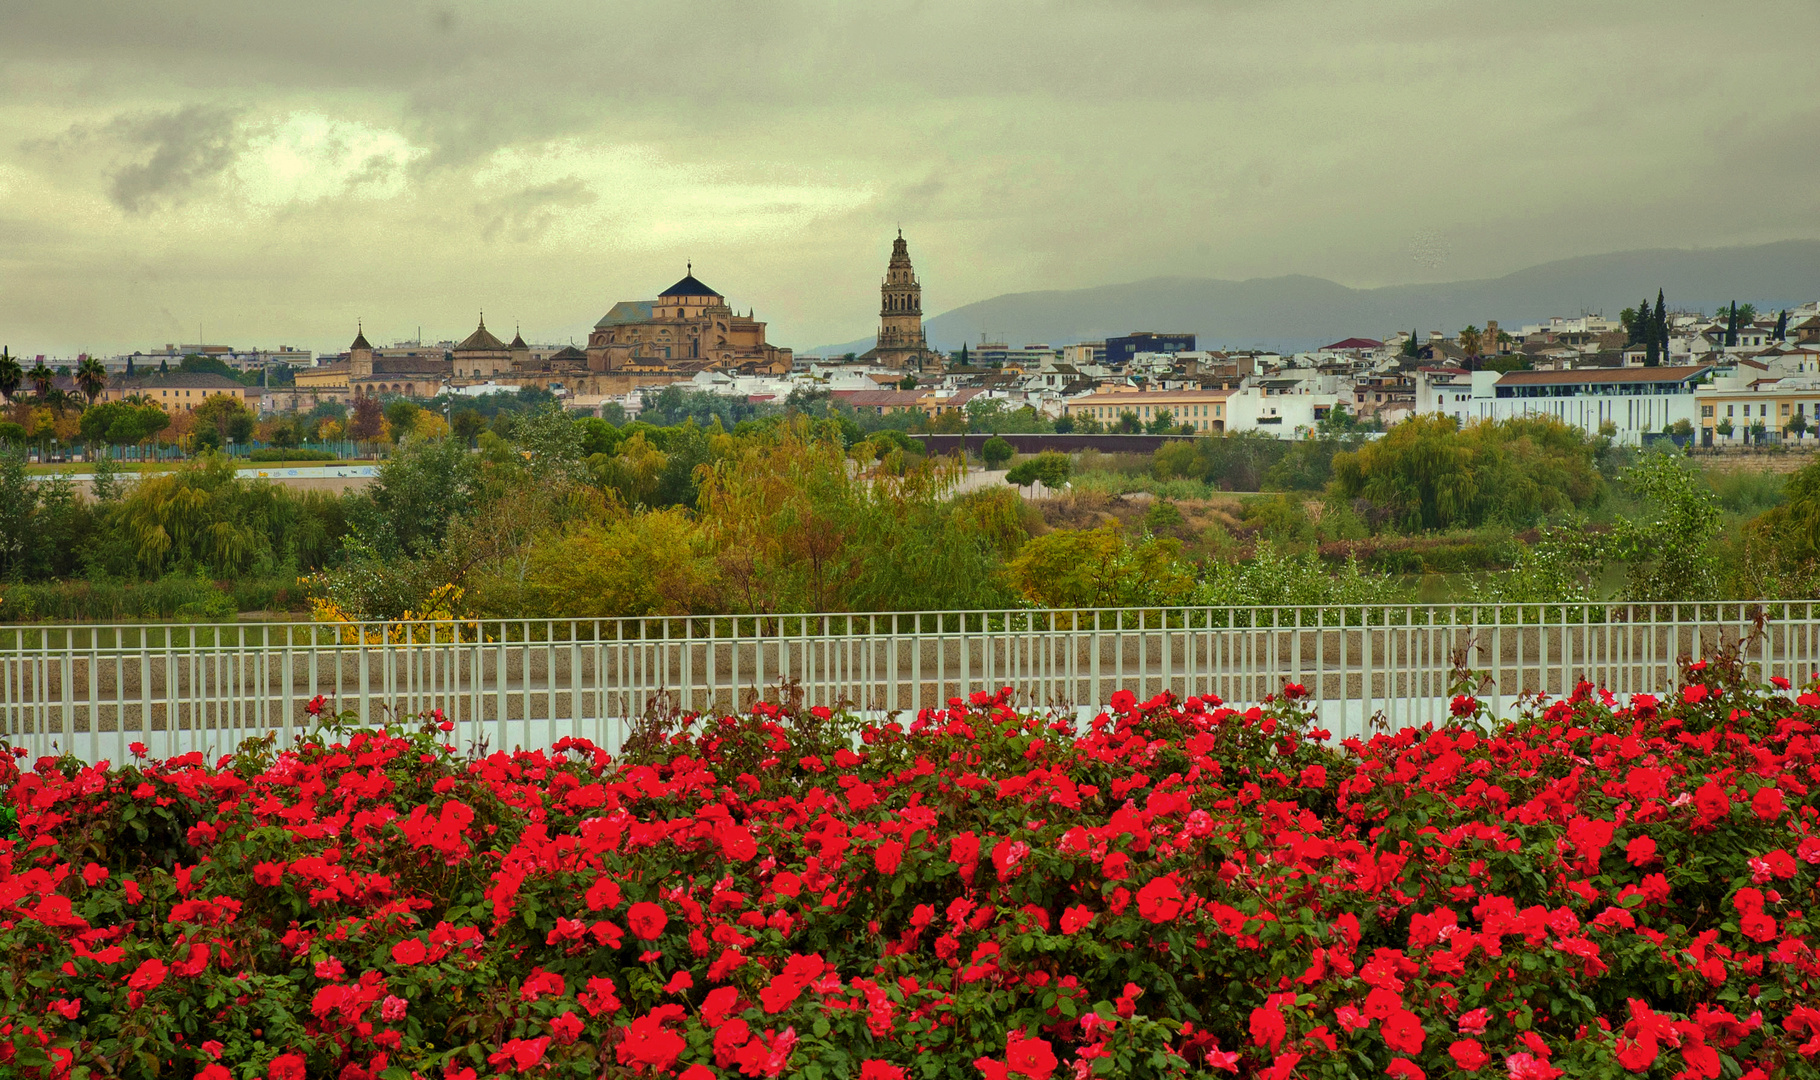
(655, 563)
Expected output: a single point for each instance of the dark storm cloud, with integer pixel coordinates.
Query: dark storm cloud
(1022, 144)
(525, 215)
(188, 147)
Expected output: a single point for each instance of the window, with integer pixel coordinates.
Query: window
(1706, 410)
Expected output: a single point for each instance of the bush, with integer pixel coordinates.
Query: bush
(1428, 474)
(1049, 468)
(995, 452)
(1103, 567)
(1183, 889)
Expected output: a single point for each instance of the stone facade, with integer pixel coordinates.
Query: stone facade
(688, 328)
(901, 343)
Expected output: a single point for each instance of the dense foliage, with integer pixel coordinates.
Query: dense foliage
(1428, 473)
(1596, 888)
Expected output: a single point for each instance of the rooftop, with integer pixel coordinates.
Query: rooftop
(1586, 376)
(688, 286)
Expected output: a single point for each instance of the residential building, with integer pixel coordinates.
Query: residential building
(1741, 408)
(1205, 410)
(1120, 350)
(180, 391)
(1633, 401)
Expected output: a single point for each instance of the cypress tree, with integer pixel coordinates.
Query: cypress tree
(1640, 332)
(1782, 326)
(1731, 326)
(129, 365)
(1660, 324)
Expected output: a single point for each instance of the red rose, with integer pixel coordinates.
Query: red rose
(1641, 851)
(888, 857)
(566, 1028)
(1712, 802)
(147, 976)
(287, 1067)
(1468, 1055)
(1076, 919)
(409, 951)
(1030, 1058)
(1160, 900)
(646, 920)
(1767, 803)
(1403, 1032)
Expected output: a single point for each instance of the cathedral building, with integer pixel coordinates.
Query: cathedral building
(689, 327)
(901, 343)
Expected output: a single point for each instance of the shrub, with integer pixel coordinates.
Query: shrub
(995, 452)
(1103, 567)
(1593, 889)
(1049, 468)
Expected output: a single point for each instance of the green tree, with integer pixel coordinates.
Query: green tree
(1162, 423)
(1794, 527)
(91, 378)
(1731, 325)
(1470, 340)
(222, 419)
(1128, 424)
(908, 382)
(401, 417)
(995, 452)
(11, 375)
(1413, 347)
(467, 424)
(1426, 473)
(1797, 425)
(1668, 548)
(1782, 326)
(43, 380)
(1049, 468)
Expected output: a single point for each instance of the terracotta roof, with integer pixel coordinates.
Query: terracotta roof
(1354, 343)
(1151, 397)
(1604, 375)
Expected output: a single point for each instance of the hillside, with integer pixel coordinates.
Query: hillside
(1299, 312)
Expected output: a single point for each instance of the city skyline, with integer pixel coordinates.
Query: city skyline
(275, 175)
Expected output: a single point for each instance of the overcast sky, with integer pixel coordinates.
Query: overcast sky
(266, 173)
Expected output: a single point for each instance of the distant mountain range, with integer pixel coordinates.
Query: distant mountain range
(1299, 312)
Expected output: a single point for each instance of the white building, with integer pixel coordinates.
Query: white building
(1634, 401)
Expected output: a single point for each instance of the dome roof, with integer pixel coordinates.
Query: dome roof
(481, 340)
(688, 286)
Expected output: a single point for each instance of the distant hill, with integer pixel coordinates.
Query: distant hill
(1298, 312)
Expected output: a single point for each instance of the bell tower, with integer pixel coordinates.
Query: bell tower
(900, 327)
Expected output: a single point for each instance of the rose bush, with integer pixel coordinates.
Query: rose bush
(1597, 887)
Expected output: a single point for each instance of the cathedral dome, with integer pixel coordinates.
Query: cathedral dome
(688, 286)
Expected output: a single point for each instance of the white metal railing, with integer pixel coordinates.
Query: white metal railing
(92, 690)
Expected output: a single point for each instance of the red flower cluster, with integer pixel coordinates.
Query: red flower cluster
(1592, 888)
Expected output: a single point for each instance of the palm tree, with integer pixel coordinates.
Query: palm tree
(91, 377)
(42, 379)
(1470, 340)
(11, 375)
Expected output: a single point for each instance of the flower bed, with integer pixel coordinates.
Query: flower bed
(1597, 888)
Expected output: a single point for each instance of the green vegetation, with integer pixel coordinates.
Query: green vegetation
(528, 512)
